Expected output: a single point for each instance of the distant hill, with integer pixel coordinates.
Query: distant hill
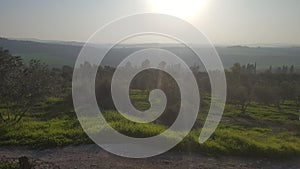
(53, 54)
(56, 53)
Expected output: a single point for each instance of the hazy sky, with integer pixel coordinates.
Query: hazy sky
(223, 21)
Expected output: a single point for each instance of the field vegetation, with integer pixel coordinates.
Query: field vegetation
(261, 116)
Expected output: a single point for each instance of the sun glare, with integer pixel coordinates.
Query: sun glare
(185, 9)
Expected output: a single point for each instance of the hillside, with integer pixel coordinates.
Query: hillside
(57, 54)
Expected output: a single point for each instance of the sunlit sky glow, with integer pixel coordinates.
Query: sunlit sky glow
(185, 9)
(223, 21)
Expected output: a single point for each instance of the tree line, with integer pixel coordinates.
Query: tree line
(269, 88)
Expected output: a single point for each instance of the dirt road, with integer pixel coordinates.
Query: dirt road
(91, 156)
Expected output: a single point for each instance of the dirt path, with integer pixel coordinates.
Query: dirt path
(91, 156)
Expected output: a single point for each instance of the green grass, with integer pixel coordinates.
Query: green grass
(262, 131)
(139, 99)
(9, 165)
(42, 134)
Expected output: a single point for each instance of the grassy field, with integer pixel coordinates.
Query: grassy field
(52, 61)
(262, 131)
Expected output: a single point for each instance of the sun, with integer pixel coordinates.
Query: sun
(185, 9)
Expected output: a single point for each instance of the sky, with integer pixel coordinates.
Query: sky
(233, 22)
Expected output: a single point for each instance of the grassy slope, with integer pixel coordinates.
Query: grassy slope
(51, 61)
(262, 131)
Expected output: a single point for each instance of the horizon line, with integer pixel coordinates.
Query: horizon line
(149, 43)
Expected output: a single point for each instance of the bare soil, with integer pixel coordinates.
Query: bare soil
(93, 157)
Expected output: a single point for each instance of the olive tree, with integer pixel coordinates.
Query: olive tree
(21, 86)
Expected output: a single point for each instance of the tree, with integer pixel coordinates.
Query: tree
(287, 90)
(103, 94)
(236, 69)
(240, 81)
(297, 96)
(292, 69)
(267, 94)
(21, 86)
(239, 95)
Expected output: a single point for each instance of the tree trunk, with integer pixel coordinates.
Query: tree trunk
(24, 163)
(244, 107)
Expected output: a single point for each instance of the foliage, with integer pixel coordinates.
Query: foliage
(261, 117)
(8, 165)
(262, 131)
(22, 86)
